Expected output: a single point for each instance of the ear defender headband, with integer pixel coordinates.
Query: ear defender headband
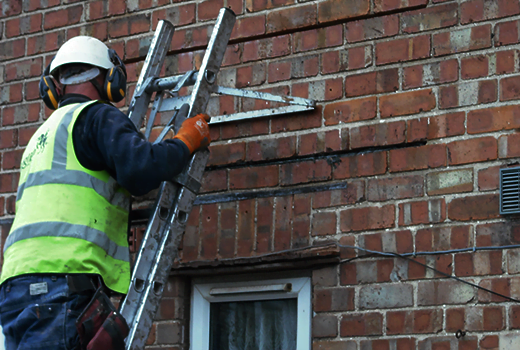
(48, 91)
(115, 80)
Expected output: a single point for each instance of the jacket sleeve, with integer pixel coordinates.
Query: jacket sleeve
(105, 139)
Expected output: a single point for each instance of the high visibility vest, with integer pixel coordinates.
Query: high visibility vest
(69, 219)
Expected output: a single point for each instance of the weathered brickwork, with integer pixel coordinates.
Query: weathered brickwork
(417, 111)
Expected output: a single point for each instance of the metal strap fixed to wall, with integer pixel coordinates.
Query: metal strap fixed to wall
(166, 226)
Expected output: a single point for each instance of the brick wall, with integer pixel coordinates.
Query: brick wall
(417, 112)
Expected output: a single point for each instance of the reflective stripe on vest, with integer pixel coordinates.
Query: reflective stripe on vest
(64, 229)
(83, 206)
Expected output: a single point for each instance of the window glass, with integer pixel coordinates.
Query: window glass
(254, 325)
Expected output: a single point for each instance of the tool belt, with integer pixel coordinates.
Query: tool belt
(100, 325)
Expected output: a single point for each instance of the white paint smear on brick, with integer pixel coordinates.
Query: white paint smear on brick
(468, 93)
(460, 39)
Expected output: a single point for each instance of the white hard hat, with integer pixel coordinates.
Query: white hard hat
(82, 49)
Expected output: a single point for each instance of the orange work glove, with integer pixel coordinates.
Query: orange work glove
(194, 132)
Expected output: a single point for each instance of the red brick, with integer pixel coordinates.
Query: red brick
(416, 129)
(178, 16)
(401, 50)
(297, 121)
(227, 153)
(304, 172)
(190, 37)
(246, 227)
(259, 5)
(423, 157)
(332, 10)
(283, 147)
(505, 62)
(301, 220)
(350, 111)
(208, 233)
(12, 159)
(8, 138)
(291, 18)
(60, 18)
(10, 205)
(407, 103)
(481, 10)
(488, 179)
(324, 326)
(266, 48)
(439, 72)
(24, 69)
(24, 134)
(468, 39)
(493, 119)
(116, 7)
(422, 212)
(498, 285)
(506, 33)
(361, 324)
(323, 224)
(372, 83)
(253, 177)
(334, 299)
(12, 49)
(455, 319)
(472, 150)
(209, 9)
(430, 18)
(369, 218)
(446, 125)
(45, 42)
(489, 342)
(479, 207)
(282, 225)
(361, 165)
(474, 67)
(318, 38)
(11, 8)
(264, 225)
(415, 321)
(493, 318)
(389, 5)
(372, 28)
(8, 182)
(352, 194)
(395, 188)
(378, 135)
(28, 112)
(443, 238)
(486, 234)
(380, 344)
(510, 88)
(23, 25)
(509, 146)
(214, 181)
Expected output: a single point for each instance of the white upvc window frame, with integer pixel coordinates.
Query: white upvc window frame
(201, 300)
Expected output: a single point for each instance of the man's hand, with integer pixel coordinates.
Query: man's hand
(194, 132)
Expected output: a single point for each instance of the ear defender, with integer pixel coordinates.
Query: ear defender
(115, 80)
(48, 91)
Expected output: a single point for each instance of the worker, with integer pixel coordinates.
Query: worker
(77, 174)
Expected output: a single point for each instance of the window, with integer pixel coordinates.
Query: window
(272, 314)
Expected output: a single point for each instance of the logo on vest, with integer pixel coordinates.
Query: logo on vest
(41, 142)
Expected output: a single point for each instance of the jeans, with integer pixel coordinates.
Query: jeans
(44, 320)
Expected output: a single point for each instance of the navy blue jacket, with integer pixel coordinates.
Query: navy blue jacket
(105, 139)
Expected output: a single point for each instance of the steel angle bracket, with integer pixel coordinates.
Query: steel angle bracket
(294, 104)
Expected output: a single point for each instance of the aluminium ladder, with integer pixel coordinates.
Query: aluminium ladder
(165, 229)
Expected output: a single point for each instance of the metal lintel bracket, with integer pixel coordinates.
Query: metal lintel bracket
(294, 104)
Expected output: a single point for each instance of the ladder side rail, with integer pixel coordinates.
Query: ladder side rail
(151, 70)
(139, 307)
